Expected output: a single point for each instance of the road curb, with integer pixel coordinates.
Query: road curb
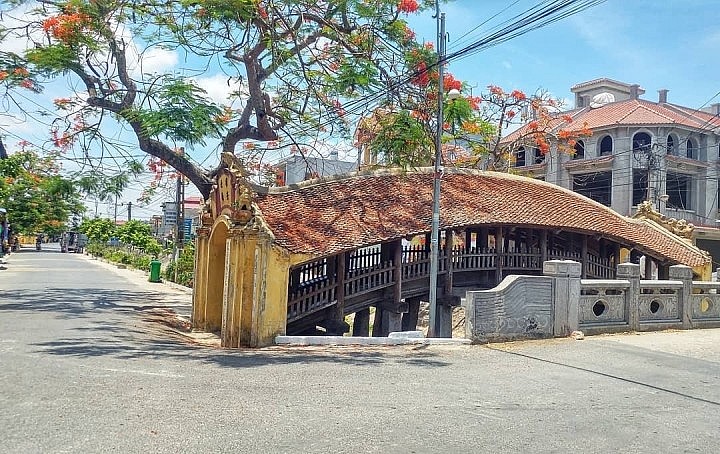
(139, 273)
(374, 341)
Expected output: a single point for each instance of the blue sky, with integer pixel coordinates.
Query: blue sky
(657, 44)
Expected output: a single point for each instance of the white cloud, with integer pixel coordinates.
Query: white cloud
(156, 60)
(17, 125)
(219, 87)
(17, 42)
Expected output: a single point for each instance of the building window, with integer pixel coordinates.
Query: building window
(640, 184)
(692, 149)
(520, 157)
(641, 141)
(538, 156)
(672, 146)
(596, 186)
(579, 150)
(678, 188)
(606, 146)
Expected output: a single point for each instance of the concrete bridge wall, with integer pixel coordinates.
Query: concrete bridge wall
(560, 302)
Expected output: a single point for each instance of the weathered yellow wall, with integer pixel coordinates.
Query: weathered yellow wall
(703, 272)
(247, 300)
(215, 276)
(624, 255)
(200, 279)
(273, 296)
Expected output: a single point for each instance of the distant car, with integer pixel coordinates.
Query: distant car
(73, 242)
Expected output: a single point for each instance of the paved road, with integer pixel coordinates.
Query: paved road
(82, 371)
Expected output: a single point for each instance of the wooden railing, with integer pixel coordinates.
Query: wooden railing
(363, 281)
(315, 284)
(311, 297)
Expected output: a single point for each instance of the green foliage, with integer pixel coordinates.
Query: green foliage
(53, 59)
(183, 113)
(402, 140)
(98, 230)
(239, 10)
(138, 234)
(458, 111)
(297, 63)
(121, 254)
(184, 267)
(36, 197)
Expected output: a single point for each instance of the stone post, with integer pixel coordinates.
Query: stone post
(684, 274)
(631, 272)
(566, 294)
(361, 324)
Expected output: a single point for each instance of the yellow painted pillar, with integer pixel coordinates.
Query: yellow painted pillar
(238, 302)
(200, 278)
(269, 312)
(215, 282)
(250, 273)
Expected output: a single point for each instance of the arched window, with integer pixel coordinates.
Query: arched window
(606, 146)
(641, 141)
(579, 150)
(692, 149)
(672, 146)
(538, 156)
(520, 157)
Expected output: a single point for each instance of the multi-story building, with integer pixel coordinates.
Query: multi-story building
(168, 224)
(296, 168)
(639, 150)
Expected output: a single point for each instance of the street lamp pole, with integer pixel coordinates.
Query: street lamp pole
(433, 328)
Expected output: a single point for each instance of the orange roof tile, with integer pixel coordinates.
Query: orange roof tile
(328, 216)
(631, 112)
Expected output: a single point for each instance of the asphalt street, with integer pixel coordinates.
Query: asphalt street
(84, 368)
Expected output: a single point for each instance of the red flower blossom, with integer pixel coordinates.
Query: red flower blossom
(408, 6)
(451, 83)
(422, 79)
(495, 90)
(518, 95)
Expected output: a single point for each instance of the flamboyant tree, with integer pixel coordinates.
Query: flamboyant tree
(36, 196)
(302, 71)
(403, 133)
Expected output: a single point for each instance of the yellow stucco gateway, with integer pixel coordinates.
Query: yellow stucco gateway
(241, 278)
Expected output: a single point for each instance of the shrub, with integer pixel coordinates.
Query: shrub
(185, 267)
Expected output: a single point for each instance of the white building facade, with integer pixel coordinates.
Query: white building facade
(639, 150)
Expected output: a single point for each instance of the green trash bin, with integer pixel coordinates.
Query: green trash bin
(155, 271)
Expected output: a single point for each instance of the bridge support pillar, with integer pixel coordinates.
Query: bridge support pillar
(392, 321)
(446, 304)
(410, 318)
(361, 325)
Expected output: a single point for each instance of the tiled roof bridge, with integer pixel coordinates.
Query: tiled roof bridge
(323, 217)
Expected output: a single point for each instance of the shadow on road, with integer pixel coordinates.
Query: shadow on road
(116, 324)
(74, 302)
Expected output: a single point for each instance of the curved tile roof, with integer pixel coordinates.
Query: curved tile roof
(630, 112)
(322, 217)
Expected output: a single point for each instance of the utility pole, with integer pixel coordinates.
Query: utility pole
(129, 204)
(433, 328)
(179, 226)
